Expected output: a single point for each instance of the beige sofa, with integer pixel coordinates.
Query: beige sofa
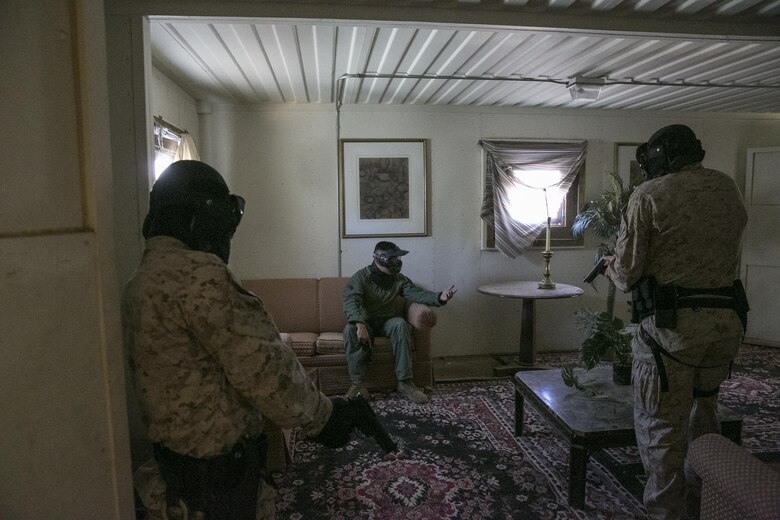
(308, 313)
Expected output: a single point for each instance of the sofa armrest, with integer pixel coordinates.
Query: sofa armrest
(733, 479)
(420, 316)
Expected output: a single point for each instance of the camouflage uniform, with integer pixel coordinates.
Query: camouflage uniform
(685, 229)
(208, 362)
(366, 302)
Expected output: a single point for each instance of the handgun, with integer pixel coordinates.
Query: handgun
(599, 268)
(367, 422)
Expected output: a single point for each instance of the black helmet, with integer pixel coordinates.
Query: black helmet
(191, 202)
(668, 150)
(388, 255)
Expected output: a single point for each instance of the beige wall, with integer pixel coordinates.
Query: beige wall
(174, 105)
(64, 443)
(284, 161)
(64, 449)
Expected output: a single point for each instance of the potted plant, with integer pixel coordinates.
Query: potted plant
(605, 333)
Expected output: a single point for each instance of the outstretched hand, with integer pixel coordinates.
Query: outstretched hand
(448, 294)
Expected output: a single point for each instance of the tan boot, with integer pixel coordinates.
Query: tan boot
(413, 393)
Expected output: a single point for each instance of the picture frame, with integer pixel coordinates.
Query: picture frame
(384, 187)
(626, 165)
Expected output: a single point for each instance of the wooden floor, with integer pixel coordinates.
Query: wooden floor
(460, 368)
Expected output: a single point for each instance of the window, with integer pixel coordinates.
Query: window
(166, 142)
(524, 182)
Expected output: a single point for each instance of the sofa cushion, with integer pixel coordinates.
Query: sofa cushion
(331, 304)
(292, 302)
(333, 343)
(304, 343)
(330, 343)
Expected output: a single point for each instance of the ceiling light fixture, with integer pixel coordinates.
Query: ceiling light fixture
(585, 88)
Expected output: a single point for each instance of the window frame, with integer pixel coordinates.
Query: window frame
(560, 235)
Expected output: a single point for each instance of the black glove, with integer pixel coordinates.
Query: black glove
(350, 414)
(339, 427)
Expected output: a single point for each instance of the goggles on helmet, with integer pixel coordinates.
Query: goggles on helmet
(222, 214)
(391, 263)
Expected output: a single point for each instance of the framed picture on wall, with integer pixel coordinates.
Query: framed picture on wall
(384, 187)
(626, 164)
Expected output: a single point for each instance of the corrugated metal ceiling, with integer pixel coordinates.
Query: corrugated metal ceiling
(253, 60)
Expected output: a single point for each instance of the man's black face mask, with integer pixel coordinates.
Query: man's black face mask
(203, 222)
(214, 224)
(391, 263)
(220, 216)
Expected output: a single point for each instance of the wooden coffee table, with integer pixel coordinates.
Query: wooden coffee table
(589, 424)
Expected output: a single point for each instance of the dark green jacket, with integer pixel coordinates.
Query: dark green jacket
(364, 300)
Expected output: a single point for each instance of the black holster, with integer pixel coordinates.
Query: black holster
(648, 299)
(665, 299)
(642, 301)
(223, 487)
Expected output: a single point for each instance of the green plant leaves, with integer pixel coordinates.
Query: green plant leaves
(603, 333)
(602, 216)
(570, 379)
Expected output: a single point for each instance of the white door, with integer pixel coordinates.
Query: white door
(761, 249)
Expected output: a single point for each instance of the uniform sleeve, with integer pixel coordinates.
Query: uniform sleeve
(633, 243)
(234, 327)
(353, 300)
(416, 294)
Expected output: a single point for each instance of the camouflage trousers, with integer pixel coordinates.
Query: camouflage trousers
(666, 422)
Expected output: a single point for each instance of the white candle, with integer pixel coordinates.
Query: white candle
(547, 238)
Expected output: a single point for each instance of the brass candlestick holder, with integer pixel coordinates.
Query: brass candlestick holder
(546, 283)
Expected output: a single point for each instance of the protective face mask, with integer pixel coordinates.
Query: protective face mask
(392, 263)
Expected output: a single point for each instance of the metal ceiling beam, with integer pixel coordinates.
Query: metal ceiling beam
(617, 21)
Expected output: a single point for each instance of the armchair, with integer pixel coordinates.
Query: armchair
(735, 484)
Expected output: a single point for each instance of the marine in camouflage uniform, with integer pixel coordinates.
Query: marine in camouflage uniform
(683, 228)
(208, 362)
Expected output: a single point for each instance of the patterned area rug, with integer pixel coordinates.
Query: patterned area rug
(461, 460)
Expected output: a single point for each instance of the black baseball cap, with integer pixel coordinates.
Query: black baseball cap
(389, 248)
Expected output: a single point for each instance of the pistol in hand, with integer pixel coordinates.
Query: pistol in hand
(599, 268)
(367, 423)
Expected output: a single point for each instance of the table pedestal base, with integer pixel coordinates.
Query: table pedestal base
(526, 357)
(528, 292)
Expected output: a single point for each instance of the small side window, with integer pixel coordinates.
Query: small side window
(533, 185)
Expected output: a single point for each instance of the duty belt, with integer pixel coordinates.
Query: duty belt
(649, 298)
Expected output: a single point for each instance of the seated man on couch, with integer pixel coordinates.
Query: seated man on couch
(369, 305)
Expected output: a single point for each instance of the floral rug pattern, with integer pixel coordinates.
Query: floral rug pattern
(461, 460)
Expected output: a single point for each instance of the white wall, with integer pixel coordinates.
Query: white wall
(174, 105)
(284, 160)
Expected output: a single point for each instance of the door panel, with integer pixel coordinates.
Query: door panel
(761, 249)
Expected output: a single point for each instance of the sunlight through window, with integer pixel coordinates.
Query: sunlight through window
(162, 161)
(527, 200)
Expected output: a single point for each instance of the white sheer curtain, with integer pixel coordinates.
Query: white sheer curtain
(186, 149)
(506, 162)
